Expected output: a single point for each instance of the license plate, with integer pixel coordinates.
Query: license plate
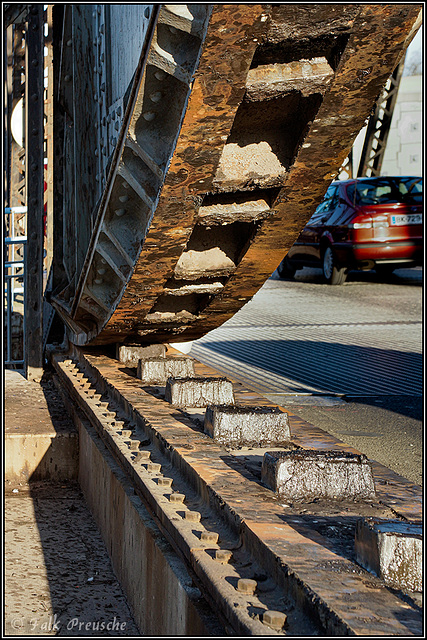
(410, 218)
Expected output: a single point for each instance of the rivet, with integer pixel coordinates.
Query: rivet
(34, 97)
(149, 115)
(103, 86)
(95, 97)
(97, 154)
(120, 212)
(246, 585)
(99, 280)
(172, 29)
(177, 497)
(223, 555)
(156, 96)
(192, 516)
(35, 62)
(124, 198)
(101, 271)
(125, 185)
(160, 75)
(147, 12)
(209, 536)
(69, 43)
(274, 619)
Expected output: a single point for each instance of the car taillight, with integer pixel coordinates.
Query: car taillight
(380, 222)
(361, 222)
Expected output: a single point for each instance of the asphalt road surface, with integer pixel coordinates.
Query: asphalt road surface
(346, 358)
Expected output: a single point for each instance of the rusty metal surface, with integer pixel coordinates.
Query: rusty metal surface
(301, 554)
(239, 117)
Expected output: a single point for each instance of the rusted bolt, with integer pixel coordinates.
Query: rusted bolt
(192, 516)
(223, 556)
(209, 536)
(98, 280)
(156, 96)
(274, 619)
(246, 585)
(149, 116)
(124, 198)
(177, 497)
(153, 467)
(165, 482)
(120, 212)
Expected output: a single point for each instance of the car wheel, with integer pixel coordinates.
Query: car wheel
(331, 272)
(285, 269)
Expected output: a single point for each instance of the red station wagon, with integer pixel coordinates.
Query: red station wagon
(364, 223)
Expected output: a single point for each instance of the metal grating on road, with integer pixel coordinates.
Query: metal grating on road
(351, 359)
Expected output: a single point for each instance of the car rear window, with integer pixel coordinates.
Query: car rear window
(386, 190)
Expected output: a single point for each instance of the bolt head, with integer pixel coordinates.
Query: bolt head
(246, 585)
(274, 619)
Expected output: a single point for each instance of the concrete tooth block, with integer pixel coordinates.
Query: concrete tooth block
(307, 474)
(247, 426)
(199, 392)
(393, 550)
(130, 354)
(157, 370)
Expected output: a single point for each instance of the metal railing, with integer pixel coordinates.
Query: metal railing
(14, 283)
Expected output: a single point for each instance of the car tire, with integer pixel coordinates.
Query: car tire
(332, 273)
(285, 269)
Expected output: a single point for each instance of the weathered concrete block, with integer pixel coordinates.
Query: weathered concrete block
(307, 474)
(129, 354)
(393, 550)
(158, 370)
(199, 392)
(247, 426)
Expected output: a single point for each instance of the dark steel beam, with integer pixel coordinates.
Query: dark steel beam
(34, 183)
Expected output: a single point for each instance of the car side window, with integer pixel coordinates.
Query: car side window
(324, 209)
